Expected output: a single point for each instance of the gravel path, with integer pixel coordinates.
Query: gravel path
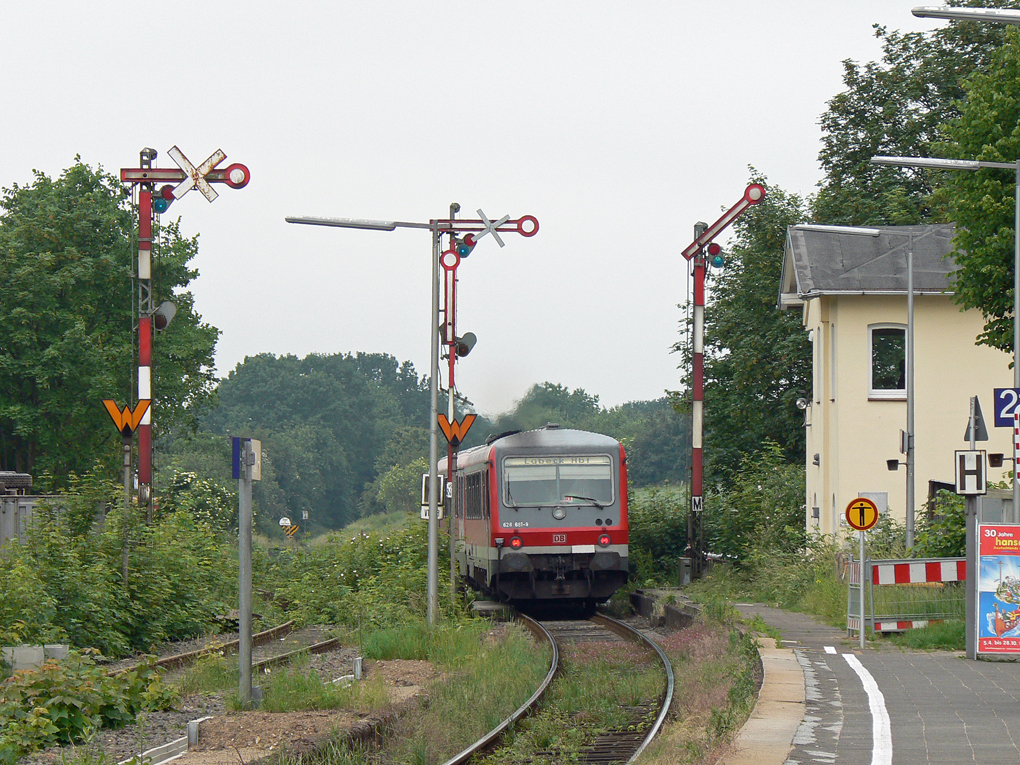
(157, 728)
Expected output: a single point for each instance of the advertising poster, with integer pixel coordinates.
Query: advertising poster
(998, 588)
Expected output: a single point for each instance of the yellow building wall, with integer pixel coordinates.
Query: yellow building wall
(853, 436)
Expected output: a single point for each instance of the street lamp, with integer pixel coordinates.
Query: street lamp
(432, 586)
(972, 165)
(995, 15)
(527, 226)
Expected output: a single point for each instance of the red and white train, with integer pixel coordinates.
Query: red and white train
(541, 516)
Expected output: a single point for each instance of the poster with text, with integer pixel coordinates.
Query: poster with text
(998, 589)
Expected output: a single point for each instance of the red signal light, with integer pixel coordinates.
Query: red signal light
(516, 543)
(604, 540)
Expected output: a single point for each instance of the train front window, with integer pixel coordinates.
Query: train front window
(558, 480)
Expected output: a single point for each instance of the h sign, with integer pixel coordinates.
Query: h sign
(970, 472)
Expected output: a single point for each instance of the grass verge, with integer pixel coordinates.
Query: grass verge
(488, 671)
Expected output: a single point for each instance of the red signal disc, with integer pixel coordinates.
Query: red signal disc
(237, 176)
(531, 230)
(516, 543)
(604, 540)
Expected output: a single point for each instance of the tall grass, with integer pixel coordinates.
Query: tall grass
(487, 672)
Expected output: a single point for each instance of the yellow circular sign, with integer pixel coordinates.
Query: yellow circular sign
(862, 514)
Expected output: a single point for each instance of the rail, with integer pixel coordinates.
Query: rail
(494, 735)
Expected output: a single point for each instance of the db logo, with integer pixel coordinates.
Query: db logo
(559, 539)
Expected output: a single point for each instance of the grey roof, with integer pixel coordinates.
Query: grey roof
(834, 262)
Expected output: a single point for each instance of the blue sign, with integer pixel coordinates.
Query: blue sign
(237, 449)
(1006, 402)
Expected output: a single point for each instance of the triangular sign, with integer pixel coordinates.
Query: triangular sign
(978, 423)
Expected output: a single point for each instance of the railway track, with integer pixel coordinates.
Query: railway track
(277, 645)
(622, 744)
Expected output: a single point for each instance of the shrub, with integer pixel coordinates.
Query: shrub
(943, 535)
(657, 519)
(762, 508)
(65, 702)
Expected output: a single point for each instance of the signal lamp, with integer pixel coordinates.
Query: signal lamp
(163, 315)
(464, 245)
(463, 345)
(715, 255)
(162, 200)
(995, 460)
(604, 540)
(516, 543)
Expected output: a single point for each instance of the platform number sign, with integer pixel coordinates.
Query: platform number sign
(1007, 403)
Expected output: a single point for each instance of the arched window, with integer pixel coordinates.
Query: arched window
(888, 361)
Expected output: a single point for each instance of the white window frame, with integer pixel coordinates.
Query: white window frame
(889, 394)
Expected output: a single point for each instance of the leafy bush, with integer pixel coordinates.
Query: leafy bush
(763, 509)
(26, 610)
(657, 519)
(943, 535)
(179, 577)
(369, 580)
(67, 701)
(206, 501)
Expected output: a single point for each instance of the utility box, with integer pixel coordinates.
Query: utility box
(684, 577)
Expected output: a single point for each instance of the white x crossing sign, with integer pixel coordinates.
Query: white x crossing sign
(195, 177)
(490, 227)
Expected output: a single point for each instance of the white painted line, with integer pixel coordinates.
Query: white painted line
(830, 649)
(881, 729)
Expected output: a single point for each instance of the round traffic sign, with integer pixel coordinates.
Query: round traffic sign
(285, 521)
(862, 514)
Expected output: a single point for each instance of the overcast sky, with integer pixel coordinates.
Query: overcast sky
(617, 124)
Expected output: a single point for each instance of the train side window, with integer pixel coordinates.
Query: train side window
(473, 496)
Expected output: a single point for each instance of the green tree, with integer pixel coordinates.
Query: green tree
(324, 421)
(550, 402)
(762, 508)
(66, 338)
(897, 107)
(757, 358)
(983, 203)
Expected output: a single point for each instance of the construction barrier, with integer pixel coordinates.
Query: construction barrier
(910, 593)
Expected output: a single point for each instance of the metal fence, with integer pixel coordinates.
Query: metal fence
(905, 594)
(15, 515)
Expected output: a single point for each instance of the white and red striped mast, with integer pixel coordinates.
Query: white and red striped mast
(695, 251)
(145, 177)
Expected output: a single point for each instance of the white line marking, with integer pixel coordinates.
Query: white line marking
(881, 729)
(830, 649)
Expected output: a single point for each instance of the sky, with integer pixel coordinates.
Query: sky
(618, 125)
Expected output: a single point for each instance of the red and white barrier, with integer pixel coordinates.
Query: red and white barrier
(932, 570)
(911, 571)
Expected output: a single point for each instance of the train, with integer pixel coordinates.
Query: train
(540, 516)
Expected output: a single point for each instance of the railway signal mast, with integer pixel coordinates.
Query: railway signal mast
(697, 252)
(463, 235)
(143, 180)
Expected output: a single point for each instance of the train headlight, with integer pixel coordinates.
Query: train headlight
(559, 513)
(604, 540)
(516, 543)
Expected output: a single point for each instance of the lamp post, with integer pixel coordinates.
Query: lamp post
(994, 15)
(972, 165)
(476, 229)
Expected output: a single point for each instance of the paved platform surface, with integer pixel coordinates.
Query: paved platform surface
(888, 705)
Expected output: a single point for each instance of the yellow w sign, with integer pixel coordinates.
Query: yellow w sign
(126, 421)
(456, 431)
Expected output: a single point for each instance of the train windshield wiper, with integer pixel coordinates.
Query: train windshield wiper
(592, 500)
(511, 498)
